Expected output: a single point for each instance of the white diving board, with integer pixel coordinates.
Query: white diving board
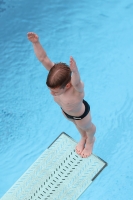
(58, 174)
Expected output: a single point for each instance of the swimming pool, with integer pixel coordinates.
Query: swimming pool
(99, 36)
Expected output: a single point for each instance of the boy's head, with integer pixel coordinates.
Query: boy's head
(59, 76)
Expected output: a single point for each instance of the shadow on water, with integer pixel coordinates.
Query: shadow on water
(2, 6)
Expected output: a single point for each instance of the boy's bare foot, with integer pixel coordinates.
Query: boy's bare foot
(88, 149)
(32, 37)
(80, 146)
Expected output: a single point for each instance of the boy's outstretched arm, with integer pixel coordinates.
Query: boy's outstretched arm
(75, 79)
(39, 51)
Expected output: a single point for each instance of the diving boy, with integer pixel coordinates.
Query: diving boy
(68, 91)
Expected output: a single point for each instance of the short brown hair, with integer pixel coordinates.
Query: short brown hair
(59, 75)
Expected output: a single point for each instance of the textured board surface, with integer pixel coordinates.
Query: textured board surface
(56, 174)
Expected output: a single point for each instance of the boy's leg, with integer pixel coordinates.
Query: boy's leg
(80, 146)
(89, 141)
(89, 128)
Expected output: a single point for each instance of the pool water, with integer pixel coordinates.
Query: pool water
(99, 35)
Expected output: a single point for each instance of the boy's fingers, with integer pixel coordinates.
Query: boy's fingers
(29, 33)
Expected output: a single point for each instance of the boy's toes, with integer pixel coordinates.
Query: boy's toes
(78, 151)
(85, 155)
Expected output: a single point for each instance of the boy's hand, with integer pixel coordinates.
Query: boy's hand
(33, 37)
(73, 66)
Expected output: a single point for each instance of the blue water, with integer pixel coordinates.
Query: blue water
(99, 35)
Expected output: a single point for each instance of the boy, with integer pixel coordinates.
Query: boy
(68, 92)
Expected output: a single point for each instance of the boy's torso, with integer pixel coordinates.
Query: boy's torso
(71, 102)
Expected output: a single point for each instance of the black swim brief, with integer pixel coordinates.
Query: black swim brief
(87, 110)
